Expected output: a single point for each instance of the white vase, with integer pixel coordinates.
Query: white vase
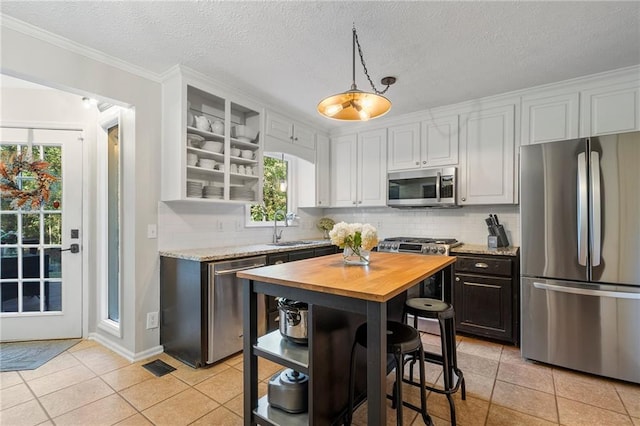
(358, 256)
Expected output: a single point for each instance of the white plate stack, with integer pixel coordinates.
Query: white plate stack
(241, 193)
(213, 192)
(194, 189)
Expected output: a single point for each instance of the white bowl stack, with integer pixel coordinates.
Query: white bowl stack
(241, 193)
(211, 191)
(194, 189)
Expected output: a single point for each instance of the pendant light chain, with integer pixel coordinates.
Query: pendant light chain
(366, 72)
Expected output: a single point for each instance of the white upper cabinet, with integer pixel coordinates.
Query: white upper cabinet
(284, 129)
(548, 117)
(404, 147)
(440, 142)
(432, 143)
(206, 157)
(610, 109)
(323, 172)
(358, 169)
(487, 141)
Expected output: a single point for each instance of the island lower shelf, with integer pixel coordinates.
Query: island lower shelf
(274, 416)
(276, 348)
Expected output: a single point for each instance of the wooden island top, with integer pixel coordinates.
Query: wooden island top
(387, 275)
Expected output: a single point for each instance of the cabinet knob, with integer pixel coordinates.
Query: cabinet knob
(457, 278)
(354, 202)
(417, 163)
(424, 162)
(319, 202)
(360, 202)
(463, 199)
(481, 265)
(295, 139)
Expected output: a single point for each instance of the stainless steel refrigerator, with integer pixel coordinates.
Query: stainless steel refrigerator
(580, 254)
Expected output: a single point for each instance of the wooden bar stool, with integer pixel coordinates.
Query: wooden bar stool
(445, 314)
(402, 340)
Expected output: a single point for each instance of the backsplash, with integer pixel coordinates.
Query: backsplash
(465, 224)
(183, 225)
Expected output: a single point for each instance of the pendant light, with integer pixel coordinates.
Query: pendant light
(354, 104)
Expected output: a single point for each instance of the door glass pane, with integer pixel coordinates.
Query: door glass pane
(52, 263)
(30, 228)
(113, 195)
(9, 296)
(31, 296)
(30, 263)
(53, 296)
(52, 228)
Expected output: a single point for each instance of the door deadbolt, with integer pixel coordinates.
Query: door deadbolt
(74, 248)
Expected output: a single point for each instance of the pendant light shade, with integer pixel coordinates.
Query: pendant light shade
(354, 104)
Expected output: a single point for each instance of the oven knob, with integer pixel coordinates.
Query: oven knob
(441, 250)
(434, 249)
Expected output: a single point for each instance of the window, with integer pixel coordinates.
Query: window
(277, 189)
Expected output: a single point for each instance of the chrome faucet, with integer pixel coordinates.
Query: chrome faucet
(276, 235)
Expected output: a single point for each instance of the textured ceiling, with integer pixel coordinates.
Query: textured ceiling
(297, 52)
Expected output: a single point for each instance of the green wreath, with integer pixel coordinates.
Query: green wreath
(22, 198)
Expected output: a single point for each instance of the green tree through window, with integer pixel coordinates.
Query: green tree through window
(275, 172)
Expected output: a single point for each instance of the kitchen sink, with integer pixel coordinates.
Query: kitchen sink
(291, 243)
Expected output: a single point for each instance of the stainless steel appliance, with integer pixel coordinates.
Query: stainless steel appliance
(225, 326)
(293, 323)
(580, 228)
(432, 286)
(288, 390)
(422, 188)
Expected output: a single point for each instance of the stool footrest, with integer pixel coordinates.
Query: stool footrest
(438, 390)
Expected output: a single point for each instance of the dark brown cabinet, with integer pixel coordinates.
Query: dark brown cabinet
(486, 296)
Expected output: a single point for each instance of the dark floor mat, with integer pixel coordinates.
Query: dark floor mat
(158, 368)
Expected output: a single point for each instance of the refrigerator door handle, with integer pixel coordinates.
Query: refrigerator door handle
(587, 291)
(596, 218)
(582, 209)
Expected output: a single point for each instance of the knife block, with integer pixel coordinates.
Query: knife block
(500, 234)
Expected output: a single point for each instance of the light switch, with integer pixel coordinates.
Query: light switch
(152, 231)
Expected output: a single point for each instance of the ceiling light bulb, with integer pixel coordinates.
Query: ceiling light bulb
(364, 114)
(333, 109)
(366, 102)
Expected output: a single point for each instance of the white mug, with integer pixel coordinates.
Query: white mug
(247, 153)
(192, 159)
(248, 170)
(241, 169)
(234, 168)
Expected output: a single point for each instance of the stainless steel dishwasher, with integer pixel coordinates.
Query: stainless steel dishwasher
(225, 307)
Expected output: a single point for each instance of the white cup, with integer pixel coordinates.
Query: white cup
(248, 170)
(203, 122)
(192, 159)
(247, 153)
(235, 152)
(233, 168)
(241, 169)
(207, 163)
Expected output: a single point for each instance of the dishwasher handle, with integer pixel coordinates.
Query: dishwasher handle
(233, 271)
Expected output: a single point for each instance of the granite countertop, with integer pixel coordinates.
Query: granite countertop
(232, 252)
(483, 249)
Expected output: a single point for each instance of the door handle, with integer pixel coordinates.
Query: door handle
(73, 248)
(587, 291)
(596, 205)
(582, 203)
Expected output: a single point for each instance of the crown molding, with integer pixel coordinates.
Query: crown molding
(64, 43)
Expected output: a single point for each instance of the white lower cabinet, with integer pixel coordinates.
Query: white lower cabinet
(358, 169)
(487, 144)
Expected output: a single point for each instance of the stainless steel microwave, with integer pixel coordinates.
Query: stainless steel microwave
(422, 188)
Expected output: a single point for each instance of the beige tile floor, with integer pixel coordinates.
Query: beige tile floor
(90, 385)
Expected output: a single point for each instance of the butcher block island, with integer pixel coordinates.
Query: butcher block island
(340, 298)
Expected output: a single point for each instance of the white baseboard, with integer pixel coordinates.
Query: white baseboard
(123, 352)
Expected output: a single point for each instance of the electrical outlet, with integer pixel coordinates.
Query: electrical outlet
(152, 231)
(152, 320)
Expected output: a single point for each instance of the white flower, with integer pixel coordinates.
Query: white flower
(354, 235)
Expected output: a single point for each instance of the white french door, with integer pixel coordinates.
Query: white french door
(41, 267)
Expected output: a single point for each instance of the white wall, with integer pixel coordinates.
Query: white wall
(26, 54)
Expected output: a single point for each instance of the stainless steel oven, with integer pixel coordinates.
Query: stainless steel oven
(422, 188)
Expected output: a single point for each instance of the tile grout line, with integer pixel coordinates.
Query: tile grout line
(37, 399)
